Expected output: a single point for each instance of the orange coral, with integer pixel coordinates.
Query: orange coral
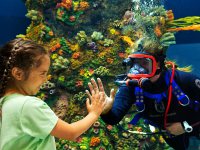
(110, 60)
(157, 31)
(91, 71)
(94, 141)
(192, 27)
(170, 15)
(121, 55)
(82, 71)
(76, 55)
(83, 5)
(109, 127)
(51, 33)
(79, 83)
(72, 18)
(60, 52)
(65, 3)
(55, 47)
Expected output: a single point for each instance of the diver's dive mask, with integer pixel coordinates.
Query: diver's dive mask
(140, 65)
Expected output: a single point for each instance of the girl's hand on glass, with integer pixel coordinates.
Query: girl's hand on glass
(96, 101)
(94, 88)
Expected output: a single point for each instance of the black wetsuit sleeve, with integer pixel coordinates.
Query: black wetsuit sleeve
(190, 84)
(123, 101)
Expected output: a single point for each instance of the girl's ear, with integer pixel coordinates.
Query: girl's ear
(17, 73)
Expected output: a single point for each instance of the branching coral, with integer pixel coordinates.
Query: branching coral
(79, 98)
(81, 37)
(101, 71)
(167, 39)
(34, 15)
(83, 5)
(96, 36)
(107, 42)
(60, 63)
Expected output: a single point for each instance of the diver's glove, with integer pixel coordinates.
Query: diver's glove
(109, 102)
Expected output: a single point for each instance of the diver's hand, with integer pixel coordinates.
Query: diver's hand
(109, 102)
(175, 128)
(100, 89)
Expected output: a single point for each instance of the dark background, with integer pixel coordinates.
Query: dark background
(186, 52)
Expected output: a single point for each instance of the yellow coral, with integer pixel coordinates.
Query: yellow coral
(161, 139)
(51, 33)
(152, 139)
(128, 40)
(75, 47)
(84, 5)
(54, 56)
(75, 64)
(76, 5)
(82, 71)
(112, 31)
(49, 77)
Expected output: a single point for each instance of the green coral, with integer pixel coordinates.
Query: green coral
(184, 22)
(107, 42)
(102, 71)
(167, 39)
(34, 15)
(65, 17)
(60, 63)
(44, 33)
(81, 37)
(80, 98)
(97, 36)
(64, 46)
(47, 85)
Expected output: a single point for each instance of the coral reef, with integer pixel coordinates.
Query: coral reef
(88, 39)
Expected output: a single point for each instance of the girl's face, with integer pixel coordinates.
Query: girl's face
(36, 78)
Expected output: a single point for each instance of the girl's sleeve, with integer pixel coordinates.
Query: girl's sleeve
(37, 118)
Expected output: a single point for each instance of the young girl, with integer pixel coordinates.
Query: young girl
(26, 122)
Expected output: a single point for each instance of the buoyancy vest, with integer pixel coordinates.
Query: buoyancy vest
(182, 98)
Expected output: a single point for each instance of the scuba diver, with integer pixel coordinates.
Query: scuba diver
(168, 98)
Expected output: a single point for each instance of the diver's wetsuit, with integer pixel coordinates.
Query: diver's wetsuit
(189, 84)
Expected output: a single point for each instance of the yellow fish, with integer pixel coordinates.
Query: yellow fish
(128, 40)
